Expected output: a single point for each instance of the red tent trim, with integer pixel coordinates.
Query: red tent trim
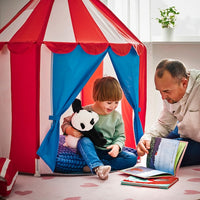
(19, 47)
(60, 47)
(92, 48)
(143, 86)
(121, 49)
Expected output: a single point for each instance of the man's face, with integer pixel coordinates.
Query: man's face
(171, 89)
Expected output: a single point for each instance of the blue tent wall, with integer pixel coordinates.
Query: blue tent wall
(70, 73)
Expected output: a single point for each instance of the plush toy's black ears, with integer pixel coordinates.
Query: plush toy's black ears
(76, 105)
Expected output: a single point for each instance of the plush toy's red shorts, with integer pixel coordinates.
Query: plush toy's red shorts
(8, 175)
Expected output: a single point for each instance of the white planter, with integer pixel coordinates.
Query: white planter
(168, 34)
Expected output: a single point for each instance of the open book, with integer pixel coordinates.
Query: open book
(164, 159)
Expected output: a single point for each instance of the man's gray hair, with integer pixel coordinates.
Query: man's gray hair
(174, 67)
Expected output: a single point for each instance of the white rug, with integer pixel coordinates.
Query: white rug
(28, 187)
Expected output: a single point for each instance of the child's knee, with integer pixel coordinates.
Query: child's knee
(84, 141)
(132, 159)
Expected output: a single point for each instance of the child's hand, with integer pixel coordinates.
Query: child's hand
(114, 150)
(71, 131)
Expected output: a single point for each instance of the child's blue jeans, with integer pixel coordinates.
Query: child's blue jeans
(192, 153)
(95, 157)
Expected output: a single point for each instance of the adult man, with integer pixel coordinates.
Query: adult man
(180, 92)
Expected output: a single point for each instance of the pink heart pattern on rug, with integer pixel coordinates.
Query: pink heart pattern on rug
(89, 185)
(196, 169)
(23, 193)
(129, 199)
(47, 177)
(73, 198)
(194, 180)
(191, 192)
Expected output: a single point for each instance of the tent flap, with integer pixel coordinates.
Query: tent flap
(127, 70)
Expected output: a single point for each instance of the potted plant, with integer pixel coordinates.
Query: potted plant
(167, 21)
(168, 17)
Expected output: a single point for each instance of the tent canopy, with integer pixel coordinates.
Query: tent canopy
(79, 33)
(61, 27)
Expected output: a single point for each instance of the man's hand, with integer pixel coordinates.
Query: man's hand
(143, 147)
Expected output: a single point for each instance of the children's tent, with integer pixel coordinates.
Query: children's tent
(52, 51)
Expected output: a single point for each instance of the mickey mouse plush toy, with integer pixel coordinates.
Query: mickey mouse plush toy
(84, 121)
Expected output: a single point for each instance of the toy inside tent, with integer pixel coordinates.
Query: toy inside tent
(45, 75)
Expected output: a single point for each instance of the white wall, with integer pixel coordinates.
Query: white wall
(187, 52)
(8, 9)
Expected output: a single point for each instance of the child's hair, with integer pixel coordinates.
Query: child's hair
(107, 89)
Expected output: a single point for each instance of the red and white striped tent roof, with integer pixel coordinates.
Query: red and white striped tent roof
(69, 22)
(53, 26)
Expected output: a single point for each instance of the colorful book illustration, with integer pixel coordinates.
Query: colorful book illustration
(164, 159)
(162, 182)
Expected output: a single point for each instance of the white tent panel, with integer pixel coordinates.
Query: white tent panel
(5, 102)
(45, 102)
(8, 33)
(59, 28)
(45, 91)
(111, 34)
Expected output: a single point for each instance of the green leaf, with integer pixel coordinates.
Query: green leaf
(168, 17)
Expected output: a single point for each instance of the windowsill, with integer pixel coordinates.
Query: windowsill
(176, 39)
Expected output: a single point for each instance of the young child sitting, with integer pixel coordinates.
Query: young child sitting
(100, 160)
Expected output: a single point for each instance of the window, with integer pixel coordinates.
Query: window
(139, 16)
(187, 26)
(127, 11)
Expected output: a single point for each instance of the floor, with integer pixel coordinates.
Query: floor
(59, 187)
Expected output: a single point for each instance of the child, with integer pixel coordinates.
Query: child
(106, 94)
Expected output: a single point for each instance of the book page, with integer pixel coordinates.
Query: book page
(179, 156)
(162, 154)
(163, 160)
(144, 172)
